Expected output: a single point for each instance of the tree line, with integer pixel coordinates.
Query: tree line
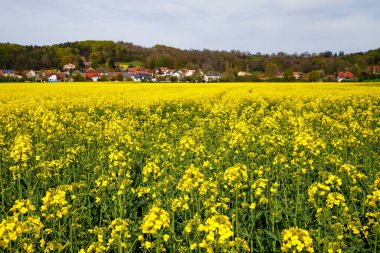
(105, 55)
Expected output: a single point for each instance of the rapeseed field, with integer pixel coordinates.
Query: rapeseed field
(232, 167)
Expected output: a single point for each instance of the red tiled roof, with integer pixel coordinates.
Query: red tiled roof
(133, 69)
(90, 75)
(347, 75)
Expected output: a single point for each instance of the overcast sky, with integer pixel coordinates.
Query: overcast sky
(248, 25)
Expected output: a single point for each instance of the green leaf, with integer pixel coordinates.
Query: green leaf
(271, 235)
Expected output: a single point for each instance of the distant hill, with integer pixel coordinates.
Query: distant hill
(106, 55)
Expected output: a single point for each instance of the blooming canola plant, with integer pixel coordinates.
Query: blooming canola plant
(222, 167)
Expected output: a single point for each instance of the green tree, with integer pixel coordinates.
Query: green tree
(314, 76)
(104, 78)
(173, 79)
(288, 76)
(271, 70)
(77, 76)
(95, 58)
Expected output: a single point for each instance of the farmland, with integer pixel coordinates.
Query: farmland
(180, 167)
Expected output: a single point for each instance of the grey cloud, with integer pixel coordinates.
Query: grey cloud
(247, 25)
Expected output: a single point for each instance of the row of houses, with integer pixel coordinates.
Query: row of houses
(131, 74)
(35, 75)
(156, 75)
(341, 76)
(162, 74)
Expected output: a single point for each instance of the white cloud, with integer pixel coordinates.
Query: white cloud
(248, 25)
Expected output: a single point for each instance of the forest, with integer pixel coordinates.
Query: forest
(107, 54)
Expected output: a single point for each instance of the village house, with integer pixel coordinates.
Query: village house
(127, 76)
(134, 70)
(189, 73)
(8, 73)
(162, 70)
(298, 75)
(173, 72)
(375, 69)
(138, 77)
(53, 78)
(113, 75)
(29, 74)
(57, 77)
(243, 74)
(69, 67)
(212, 77)
(347, 75)
(44, 75)
(94, 76)
(280, 75)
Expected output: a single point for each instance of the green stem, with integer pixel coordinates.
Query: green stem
(1, 186)
(236, 214)
(71, 236)
(120, 248)
(100, 216)
(120, 206)
(19, 188)
(158, 246)
(274, 242)
(297, 200)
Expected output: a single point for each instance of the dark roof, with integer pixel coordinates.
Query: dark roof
(127, 74)
(141, 75)
(114, 74)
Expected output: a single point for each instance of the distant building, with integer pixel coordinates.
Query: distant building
(280, 75)
(127, 75)
(53, 78)
(31, 74)
(210, 77)
(57, 77)
(115, 74)
(189, 73)
(375, 69)
(142, 76)
(8, 72)
(94, 76)
(345, 76)
(68, 67)
(298, 75)
(243, 73)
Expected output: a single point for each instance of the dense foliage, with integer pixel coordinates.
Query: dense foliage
(105, 54)
(180, 167)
